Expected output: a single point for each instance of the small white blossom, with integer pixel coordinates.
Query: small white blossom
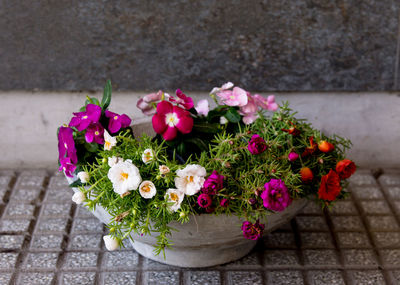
(148, 155)
(190, 179)
(124, 176)
(110, 242)
(78, 197)
(83, 176)
(223, 120)
(175, 196)
(114, 160)
(109, 141)
(147, 189)
(164, 169)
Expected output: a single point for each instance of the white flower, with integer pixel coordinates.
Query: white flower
(110, 242)
(109, 141)
(147, 189)
(147, 155)
(226, 86)
(124, 176)
(114, 160)
(190, 179)
(83, 176)
(223, 120)
(163, 169)
(78, 197)
(175, 196)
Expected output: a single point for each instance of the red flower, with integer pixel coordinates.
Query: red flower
(170, 119)
(310, 149)
(306, 175)
(345, 168)
(325, 146)
(330, 186)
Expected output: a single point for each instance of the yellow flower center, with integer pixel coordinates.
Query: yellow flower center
(65, 145)
(107, 144)
(96, 133)
(146, 188)
(116, 118)
(147, 155)
(174, 197)
(124, 175)
(232, 97)
(85, 117)
(189, 179)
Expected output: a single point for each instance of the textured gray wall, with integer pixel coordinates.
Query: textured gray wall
(287, 45)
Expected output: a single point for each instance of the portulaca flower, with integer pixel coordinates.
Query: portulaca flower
(78, 197)
(110, 242)
(147, 189)
(124, 176)
(83, 176)
(148, 155)
(109, 141)
(163, 169)
(223, 120)
(175, 196)
(190, 179)
(114, 160)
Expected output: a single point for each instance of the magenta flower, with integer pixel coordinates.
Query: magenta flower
(170, 119)
(224, 203)
(183, 100)
(66, 144)
(202, 107)
(252, 231)
(292, 156)
(249, 111)
(83, 119)
(67, 166)
(204, 200)
(257, 145)
(146, 103)
(117, 122)
(213, 183)
(235, 97)
(95, 132)
(276, 195)
(266, 103)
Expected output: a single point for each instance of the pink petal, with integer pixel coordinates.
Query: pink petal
(188, 103)
(153, 97)
(240, 96)
(202, 107)
(125, 120)
(185, 124)
(180, 112)
(271, 99)
(170, 133)
(250, 119)
(164, 107)
(89, 136)
(159, 124)
(273, 107)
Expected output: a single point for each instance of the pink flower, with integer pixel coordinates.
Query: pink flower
(170, 119)
(67, 166)
(66, 144)
(204, 200)
(202, 107)
(293, 156)
(276, 195)
(83, 119)
(257, 145)
(249, 111)
(183, 100)
(95, 132)
(236, 97)
(224, 203)
(117, 122)
(145, 103)
(213, 183)
(252, 231)
(267, 104)
(226, 86)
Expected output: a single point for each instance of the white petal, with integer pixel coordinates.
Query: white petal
(110, 242)
(78, 197)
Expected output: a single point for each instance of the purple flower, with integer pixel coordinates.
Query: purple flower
(67, 166)
(213, 184)
(117, 121)
(83, 119)
(252, 231)
(257, 145)
(293, 156)
(204, 200)
(276, 196)
(95, 132)
(224, 203)
(66, 144)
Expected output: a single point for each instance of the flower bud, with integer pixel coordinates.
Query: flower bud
(78, 197)
(223, 120)
(182, 215)
(164, 169)
(293, 156)
(110, 242)
(325, 146)
(83, 176)
(104, 160)
(306, 175)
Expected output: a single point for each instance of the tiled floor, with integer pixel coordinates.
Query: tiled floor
(46, 239)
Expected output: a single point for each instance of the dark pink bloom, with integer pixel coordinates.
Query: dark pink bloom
(146, 103)
(252, 231)
(183, 100)
(83, 119)
(204, 200)
(170, 119)
(249, 111)
(67, 166)
(257, 145)
(213, 183)
(95, 132)
(224, 203)
(293, 156)
(266, 103)
(117, 122)
(276, 195)
(66, 144)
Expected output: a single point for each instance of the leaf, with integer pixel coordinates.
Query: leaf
(232, 115)
(206, 128)
(92, 100)
(91, 147)
(199, 143)
(105, 102)
(76, 183)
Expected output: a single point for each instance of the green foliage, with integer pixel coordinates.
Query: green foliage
(105, 102)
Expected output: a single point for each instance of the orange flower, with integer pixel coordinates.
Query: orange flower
(330, 186)
(292, 130)
(306, 175)
(325, 146)
(310, 149)
(345, 168)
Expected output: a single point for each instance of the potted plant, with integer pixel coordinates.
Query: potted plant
(198, 186)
